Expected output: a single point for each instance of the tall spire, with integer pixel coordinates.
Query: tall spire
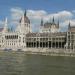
(25, 13)
(58, 23)
(69, 26)
(6, 21)
(53, 19)
(5, 25)
(41, 22)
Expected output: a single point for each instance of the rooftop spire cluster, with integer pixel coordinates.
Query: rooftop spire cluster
(69, 25)
(41, 22)
(53, 20)
(25, 13)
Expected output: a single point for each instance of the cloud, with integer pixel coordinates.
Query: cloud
(72, 22)
(36, 15)
(66, 23)
(16, 13)
(63, 16)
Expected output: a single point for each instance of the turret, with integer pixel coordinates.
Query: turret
(53, 20)
(69, 26)
(25, 13)
(24, 24)
(22, 20)
(5, 26)
(41, 22)
(58, 23)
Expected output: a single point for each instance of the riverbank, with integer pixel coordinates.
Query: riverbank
(20, 63)
(44, 51)
(51, 52)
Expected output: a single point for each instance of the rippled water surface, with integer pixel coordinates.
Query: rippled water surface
(18, 63)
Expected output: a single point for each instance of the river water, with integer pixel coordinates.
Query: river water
(18, 63)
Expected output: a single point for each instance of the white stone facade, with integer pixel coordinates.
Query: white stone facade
(49, 27)
(15, 40)
(48, 37)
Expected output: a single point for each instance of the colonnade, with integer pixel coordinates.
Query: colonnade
(46, 43)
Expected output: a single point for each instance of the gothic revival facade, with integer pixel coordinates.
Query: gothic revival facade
(17, 39)
(48, 37)
(49, 27)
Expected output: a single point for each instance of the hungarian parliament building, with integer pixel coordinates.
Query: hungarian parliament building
(48, 36)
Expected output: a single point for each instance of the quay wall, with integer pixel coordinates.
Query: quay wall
(45, 51)
(51, 52)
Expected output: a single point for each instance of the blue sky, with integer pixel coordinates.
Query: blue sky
(51, 7)
(47, 5)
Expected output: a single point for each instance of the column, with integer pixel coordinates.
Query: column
(67, 41)
(61, 45)
(39, 42)
(27, 44)
(42, 44)
(48, 42)
(70, 41)
(33, 44)
(58, 42)
(55, 42)
(51, 41)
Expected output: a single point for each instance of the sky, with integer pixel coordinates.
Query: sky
(64, 10)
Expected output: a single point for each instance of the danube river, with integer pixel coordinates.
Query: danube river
(19, 63)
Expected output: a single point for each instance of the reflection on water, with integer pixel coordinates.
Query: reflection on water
(21, 64)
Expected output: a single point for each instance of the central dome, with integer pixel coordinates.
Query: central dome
(26, 19)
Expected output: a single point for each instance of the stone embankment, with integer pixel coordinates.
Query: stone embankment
(51, 52)
(45, 51)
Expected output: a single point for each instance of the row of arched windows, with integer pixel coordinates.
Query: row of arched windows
(11, 37)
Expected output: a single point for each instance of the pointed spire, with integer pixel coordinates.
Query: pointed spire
(58, 23)
(53, 19)
(69, 25)
(25, 13)
(41, 22)
(6, 20)
(5, 25)
(22, 19)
